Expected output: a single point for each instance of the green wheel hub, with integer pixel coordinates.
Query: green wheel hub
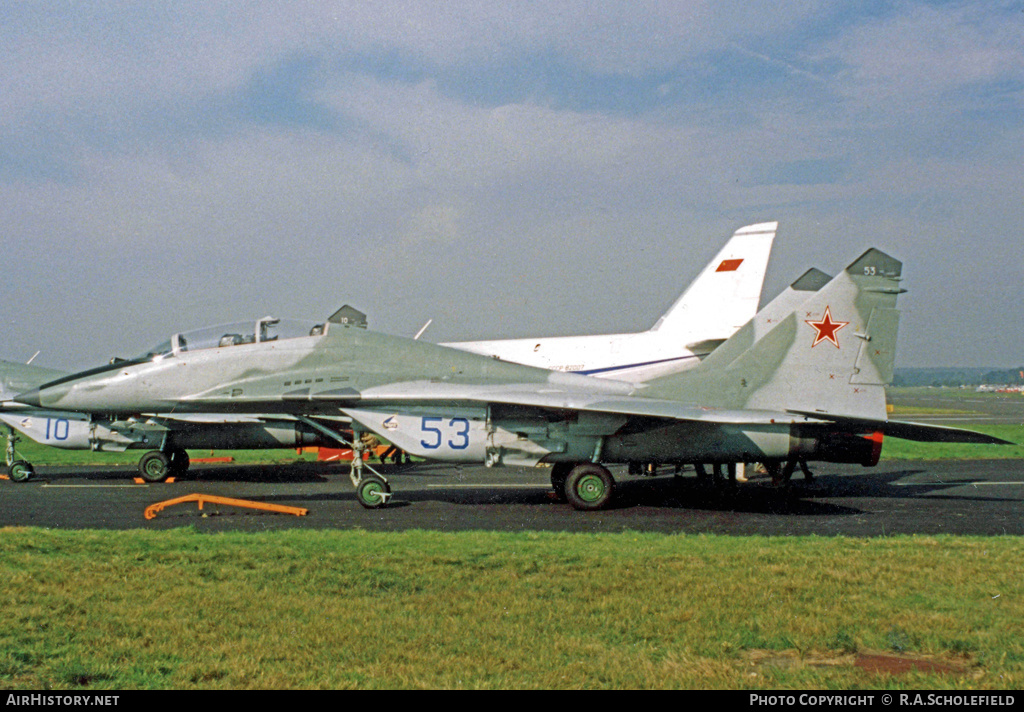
(373, 492)
(21, 471)
(154, 466)
(591, 488)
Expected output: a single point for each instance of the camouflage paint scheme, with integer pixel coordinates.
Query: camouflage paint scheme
(810, 386)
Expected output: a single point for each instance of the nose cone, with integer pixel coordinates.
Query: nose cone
(44, 396)
(29, 398)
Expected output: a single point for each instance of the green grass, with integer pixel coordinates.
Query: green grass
(305, 609)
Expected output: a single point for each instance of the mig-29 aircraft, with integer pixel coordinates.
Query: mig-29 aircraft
(722, 298)
(810, 387)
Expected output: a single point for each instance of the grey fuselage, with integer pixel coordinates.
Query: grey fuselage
(439, 403)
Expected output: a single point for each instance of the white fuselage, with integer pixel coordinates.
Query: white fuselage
(723, 297)
(628, 357)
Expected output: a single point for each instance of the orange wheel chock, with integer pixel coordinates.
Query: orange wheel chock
(151, 510)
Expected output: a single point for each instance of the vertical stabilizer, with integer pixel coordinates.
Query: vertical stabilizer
(769, 317)
(726, 294)
(832, 354)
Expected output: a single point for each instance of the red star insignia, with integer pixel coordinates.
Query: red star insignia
(826, 329)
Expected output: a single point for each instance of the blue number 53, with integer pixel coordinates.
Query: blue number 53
(458, 427)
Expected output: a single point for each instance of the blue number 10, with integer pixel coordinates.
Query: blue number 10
(61, 428)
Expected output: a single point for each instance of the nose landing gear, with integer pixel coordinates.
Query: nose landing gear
(17, 470)
(373, 490)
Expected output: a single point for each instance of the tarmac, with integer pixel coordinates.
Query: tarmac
(981, 497)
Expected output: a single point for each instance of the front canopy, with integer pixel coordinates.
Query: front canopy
(227, 335)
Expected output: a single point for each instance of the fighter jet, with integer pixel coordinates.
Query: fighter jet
(811, 387)
(723, 298)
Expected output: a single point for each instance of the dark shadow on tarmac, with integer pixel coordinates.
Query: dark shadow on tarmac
(758, 496)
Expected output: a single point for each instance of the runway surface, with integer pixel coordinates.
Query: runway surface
(983, 497)
(959, 407)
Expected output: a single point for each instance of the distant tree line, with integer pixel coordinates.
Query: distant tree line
(956, 376)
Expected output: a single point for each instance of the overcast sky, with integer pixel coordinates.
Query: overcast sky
(503, 168)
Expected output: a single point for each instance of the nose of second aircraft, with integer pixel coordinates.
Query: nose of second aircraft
(44, 396)
(29, 398)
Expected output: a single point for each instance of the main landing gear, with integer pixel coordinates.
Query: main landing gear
(590, 486)
(587, 486)
(158, 465)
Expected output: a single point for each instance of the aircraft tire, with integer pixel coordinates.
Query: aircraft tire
(21, 471)
(155, 466)
(589, 487)
(372, 492)
(559, 475)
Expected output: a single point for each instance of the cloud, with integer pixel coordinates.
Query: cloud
(507, 156)
(924, 52)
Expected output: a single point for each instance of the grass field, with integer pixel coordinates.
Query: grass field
(305, 609)
(352, 609)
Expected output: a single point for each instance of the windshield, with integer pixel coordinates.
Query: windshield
(225, 335)
(157, 351)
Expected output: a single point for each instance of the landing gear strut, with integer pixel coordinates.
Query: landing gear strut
(17, 470)
(373, 490)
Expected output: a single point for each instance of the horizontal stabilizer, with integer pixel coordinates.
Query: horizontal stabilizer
(919, 432)
(939, 434)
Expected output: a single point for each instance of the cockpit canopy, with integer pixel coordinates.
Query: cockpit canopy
(225, 335)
